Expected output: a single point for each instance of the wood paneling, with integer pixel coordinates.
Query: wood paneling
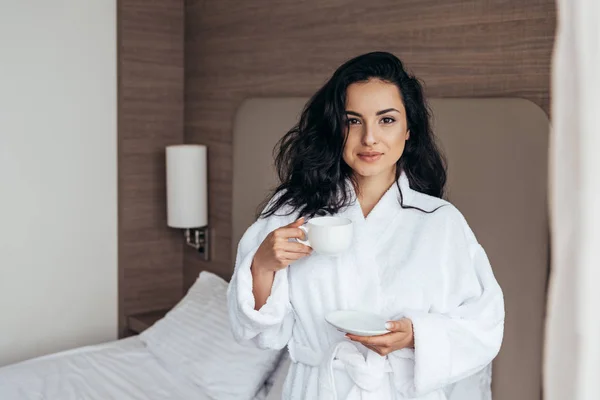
(151, 86)
(234, 50)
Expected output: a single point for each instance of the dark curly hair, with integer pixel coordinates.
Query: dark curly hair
(313, 176)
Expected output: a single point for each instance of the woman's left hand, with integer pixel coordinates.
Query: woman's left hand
(401, 336)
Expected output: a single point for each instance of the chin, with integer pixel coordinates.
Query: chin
(367, 172)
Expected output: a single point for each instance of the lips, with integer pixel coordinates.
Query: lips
(370, 156)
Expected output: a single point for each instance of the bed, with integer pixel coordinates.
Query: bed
(122, 369)
(189, 354)
(497, 177)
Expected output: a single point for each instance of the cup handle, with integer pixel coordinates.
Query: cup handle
(304, 242)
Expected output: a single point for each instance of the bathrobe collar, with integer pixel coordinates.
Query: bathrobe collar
(388, 205)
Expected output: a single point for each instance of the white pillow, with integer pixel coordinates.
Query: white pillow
(277, 379)
(194, 341)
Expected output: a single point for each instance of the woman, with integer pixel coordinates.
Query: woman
(364, 150)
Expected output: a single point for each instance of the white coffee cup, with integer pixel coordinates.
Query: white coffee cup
(328, 235)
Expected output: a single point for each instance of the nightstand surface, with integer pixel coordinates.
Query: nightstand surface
(142, 321)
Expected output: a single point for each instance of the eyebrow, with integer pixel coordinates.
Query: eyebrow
(387, 110)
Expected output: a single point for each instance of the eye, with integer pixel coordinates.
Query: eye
(352, 121)
(388, 120)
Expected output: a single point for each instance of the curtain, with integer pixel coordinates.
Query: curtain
(572, 345)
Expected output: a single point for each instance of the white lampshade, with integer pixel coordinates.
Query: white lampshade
(187, 204)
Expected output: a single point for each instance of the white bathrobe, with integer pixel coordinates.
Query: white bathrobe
(403, 263)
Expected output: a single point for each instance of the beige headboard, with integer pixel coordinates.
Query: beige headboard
(497, 156)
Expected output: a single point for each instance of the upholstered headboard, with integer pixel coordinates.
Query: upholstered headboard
(497, 157)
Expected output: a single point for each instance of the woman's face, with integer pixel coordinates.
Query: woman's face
(376, 128)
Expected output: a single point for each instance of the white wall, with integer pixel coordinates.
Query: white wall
(58, 175)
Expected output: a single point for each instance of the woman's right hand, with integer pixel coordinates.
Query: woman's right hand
(277, 251)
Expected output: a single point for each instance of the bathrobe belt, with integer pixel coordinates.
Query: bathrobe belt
(368, 374)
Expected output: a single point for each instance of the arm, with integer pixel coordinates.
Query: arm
(461, 334)
(456, 344)
(262, 284)
(258, 295)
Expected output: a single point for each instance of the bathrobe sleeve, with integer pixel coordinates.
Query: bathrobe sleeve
(271, 326)
(462, 332)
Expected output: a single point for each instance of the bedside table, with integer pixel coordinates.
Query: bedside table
(140, 322)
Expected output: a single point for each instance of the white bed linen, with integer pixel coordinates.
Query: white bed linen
(195, 342)
(122, 369)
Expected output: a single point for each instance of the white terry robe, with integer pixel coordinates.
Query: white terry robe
(403, 263)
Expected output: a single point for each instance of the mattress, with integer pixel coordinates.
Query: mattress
(122, 369)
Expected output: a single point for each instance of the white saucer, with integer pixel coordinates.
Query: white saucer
(357, 322)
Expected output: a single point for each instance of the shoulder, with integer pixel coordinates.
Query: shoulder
(425, 201)
(447, 231)
(265, 224)
(443, 215)
(282, 214)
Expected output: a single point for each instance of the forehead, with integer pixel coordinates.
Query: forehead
(373, 95)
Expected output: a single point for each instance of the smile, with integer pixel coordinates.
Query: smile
(370, 157)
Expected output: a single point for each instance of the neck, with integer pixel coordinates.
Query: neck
(372, 188)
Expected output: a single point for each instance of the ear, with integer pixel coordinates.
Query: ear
(407, 134)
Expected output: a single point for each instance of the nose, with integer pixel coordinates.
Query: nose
(369, 137)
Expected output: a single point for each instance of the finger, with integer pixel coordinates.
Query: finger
(377, 340)
(293, 247)
(360, 339)
(366, 339)
(286, 233)
(296, 223)
(290, 257)
(397, 326)
(383, 340)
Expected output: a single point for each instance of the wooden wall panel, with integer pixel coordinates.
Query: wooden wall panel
(150, 109)
(234, 50)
